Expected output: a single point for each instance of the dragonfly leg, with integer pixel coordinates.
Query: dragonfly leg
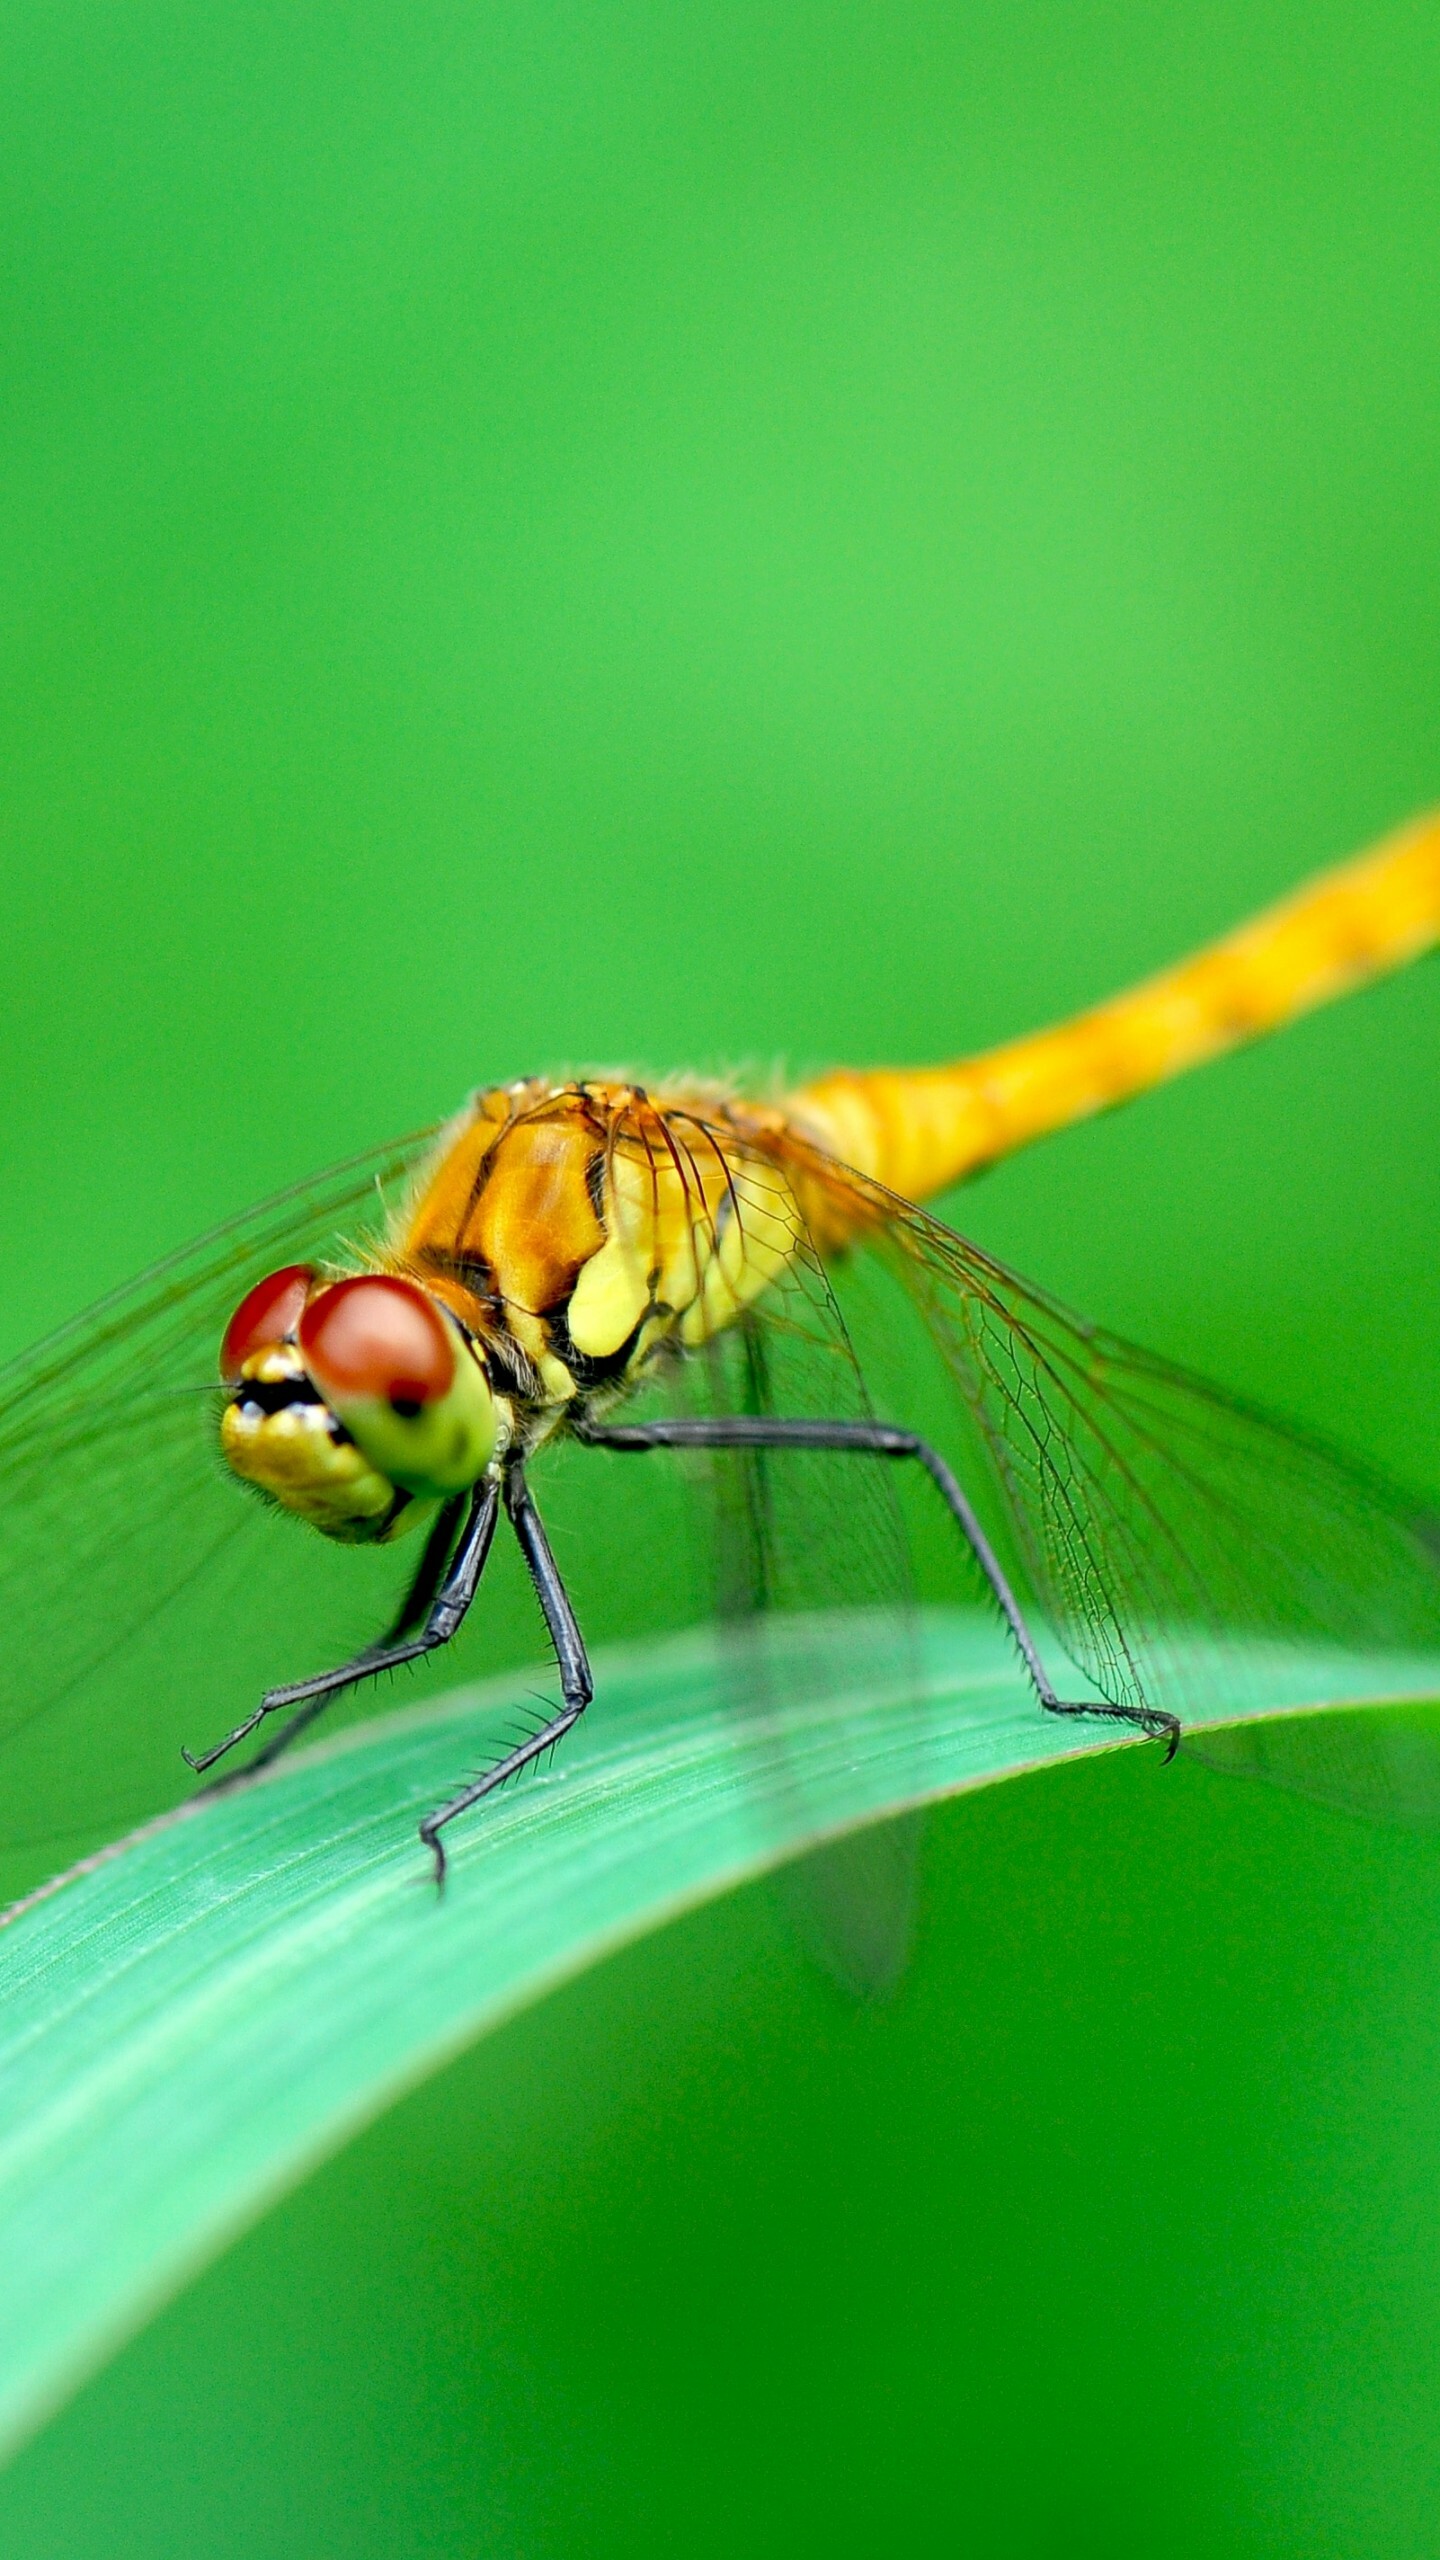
(420, 1596)
(444, 1611)
(576, 1685)
(879, 1440)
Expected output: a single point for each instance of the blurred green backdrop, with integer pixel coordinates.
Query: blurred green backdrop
(539, 535)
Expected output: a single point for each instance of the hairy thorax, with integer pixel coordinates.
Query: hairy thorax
(576, 1229)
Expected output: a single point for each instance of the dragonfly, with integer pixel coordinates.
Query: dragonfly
(383, 1362)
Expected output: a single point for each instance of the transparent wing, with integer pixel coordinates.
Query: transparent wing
(1178, 1543)
(1379, 1766)
(804, 1561)
(1165, 1526)
(134, 1572)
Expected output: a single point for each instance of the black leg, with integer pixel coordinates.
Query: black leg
(576, 1686)
(415, 1607)
(879, 1440)
(424, 1587)
(444, 1613)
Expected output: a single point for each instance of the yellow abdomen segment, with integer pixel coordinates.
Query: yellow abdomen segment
(921, 1129)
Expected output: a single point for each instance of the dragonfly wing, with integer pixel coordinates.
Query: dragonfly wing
(1380, 1765)
(1185, 1549)
(805, 1539)
(807, 1567)
(142, 1594)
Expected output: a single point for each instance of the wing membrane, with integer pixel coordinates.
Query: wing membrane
(130, 1564)
(803, 1553)
(1171, 1534)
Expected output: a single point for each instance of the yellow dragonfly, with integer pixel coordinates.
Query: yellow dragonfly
(640, 1269)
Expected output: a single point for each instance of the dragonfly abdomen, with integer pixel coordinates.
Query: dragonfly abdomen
(922, 1129)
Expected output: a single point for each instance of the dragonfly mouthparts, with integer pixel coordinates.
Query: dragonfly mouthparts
(274, 1395)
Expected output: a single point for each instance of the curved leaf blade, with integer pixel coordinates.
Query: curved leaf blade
(190, 2023)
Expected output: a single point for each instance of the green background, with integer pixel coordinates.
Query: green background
(707, 537)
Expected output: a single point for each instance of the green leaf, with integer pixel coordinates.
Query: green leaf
(189, 2022)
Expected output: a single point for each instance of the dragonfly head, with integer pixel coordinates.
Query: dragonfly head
(357, 1403)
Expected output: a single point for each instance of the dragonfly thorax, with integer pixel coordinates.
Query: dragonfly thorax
(582, 1230)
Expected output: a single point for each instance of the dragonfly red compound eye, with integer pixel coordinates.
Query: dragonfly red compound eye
(268, 1313)
(378, 1337)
